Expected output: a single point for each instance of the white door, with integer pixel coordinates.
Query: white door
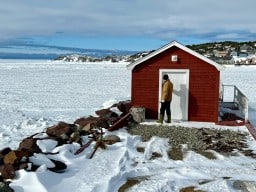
(180, 80)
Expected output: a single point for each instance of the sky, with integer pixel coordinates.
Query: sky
(125, 24)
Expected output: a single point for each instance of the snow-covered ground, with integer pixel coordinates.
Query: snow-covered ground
(37, 94)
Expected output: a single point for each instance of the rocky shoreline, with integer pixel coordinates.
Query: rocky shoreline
(200, 140)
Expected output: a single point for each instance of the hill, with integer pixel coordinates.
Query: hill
(47, 52)
(227, 52)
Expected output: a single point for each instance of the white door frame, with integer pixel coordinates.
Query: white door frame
(186, 72)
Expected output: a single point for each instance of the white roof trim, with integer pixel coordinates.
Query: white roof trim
(174, 43)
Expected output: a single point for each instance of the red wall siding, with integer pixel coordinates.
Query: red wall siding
(203, 86)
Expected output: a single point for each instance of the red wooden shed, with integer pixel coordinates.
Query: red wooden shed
(196, 81)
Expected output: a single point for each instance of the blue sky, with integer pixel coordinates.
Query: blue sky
(125, 24)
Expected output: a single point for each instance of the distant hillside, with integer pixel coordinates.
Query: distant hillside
(31, 51)
(221, 46)
(226, 52)
(111, 57)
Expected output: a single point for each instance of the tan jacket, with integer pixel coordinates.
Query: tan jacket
(167, 88)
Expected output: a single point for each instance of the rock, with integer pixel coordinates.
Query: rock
(94, 121)
(106, 113)
(138, 114)
(87, 127)
(10, 158)
(1, 159)
(21, 154)
(7, 171)
(16, 159)
(61, 130)
(83, 121)
(4, 187)
(124, 106)
(29, 145)
(5, 151)
(111, 139)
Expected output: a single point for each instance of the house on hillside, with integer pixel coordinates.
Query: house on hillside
(221, 53)
(196, 81)
(247, 49)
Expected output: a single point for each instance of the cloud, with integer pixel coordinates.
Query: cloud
(163, 20)
(228, 36)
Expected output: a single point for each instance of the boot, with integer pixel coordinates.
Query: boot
(168, 119)
(161, 119)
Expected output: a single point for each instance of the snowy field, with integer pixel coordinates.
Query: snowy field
(37, 94)
(34, 95)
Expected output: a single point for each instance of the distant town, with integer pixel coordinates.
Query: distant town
(226, 53)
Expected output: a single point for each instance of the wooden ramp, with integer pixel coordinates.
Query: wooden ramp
(121, 122)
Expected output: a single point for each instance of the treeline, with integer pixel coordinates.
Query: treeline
(220, 46)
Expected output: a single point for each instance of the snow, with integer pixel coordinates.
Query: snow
(37, 94)
(47, 145)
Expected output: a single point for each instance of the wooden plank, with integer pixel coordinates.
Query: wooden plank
(120, 123)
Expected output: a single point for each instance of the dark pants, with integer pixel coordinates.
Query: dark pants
(165, 106)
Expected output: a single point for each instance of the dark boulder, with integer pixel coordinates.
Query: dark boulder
(62, 130)
(29, 145)
(7, 171)
(106, 113)
(94, 122)
(5, 151)
(124, 107)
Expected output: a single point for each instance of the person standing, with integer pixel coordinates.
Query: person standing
(166, 99)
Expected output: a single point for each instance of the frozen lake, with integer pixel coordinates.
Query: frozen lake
(35, 94)
(46, 89)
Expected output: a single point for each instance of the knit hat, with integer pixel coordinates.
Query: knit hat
(165, 77)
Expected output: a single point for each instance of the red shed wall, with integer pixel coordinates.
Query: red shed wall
(203, 84)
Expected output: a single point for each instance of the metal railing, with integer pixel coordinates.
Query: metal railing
(236, 97)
